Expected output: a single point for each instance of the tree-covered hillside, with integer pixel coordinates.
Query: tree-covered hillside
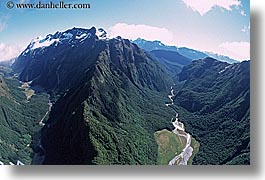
(213, 100)
(19, 119)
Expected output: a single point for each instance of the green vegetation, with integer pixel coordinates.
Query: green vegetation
(124, 120)
(196, 146)
(121, 126)
(18, 120)
(169, 146)
(110, 100)
(111, 110)
(213, 100)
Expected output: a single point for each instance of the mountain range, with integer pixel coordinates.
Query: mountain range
(107, 100)
(184, 51)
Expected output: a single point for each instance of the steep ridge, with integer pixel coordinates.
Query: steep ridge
(109, 99)
(213, 99)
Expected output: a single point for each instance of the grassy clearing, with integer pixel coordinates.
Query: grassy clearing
(29, 93)
(168, 144)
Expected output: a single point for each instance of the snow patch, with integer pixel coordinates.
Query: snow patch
(101, 33)
(81, 36)
(224, 69)
(67, 36)
(85, 37)
(40, 43)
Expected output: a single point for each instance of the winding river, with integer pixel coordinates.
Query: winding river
(184, 156)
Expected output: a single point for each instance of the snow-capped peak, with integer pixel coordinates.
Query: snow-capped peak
(101, 33)
(40, 42)
(71, 37)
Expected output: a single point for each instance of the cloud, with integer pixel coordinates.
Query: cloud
(236, 50)
(2, 26)
(204, 6)
(243, 13)
(8, 52)
(3, 20)
(133, 31)
(246, 29)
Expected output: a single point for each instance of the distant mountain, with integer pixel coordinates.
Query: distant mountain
(171, 59)
(184, 51)
(153, 45)
(7, 63)
(222, 58)
(213, 99)
(108, 97)
(191, 53)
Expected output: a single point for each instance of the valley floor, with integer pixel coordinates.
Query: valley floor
(176, 147)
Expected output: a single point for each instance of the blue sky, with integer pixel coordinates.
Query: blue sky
(220, 26)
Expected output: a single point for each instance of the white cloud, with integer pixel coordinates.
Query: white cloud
(2, 26)
(204, 6)
(8, 52)
(133, 31)
(246, 29)
(3, 20)
(243, 13)
(236, 50)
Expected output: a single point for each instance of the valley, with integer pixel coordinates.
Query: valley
(18, 119)
(77, 97)
(184, 149)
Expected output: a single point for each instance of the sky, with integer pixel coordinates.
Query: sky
(219, 26)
